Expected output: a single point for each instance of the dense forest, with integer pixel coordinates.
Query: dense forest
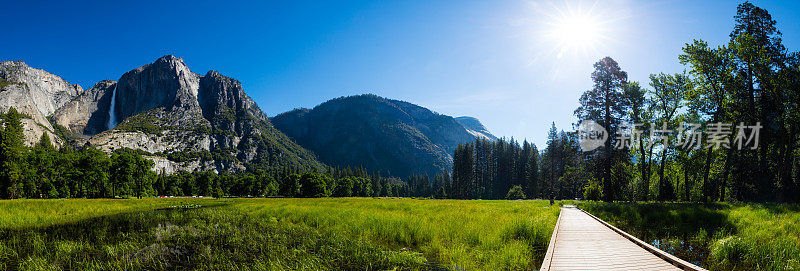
(42, 171)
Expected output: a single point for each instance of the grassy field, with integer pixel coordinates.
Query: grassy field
(274, 234)
(25, 213)
(718, 236)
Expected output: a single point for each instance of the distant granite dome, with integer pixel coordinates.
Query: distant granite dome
(389, 136)
(475, 127)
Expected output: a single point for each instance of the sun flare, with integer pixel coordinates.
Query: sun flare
(576, 31)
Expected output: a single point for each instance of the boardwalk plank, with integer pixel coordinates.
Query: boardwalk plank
(581, 242)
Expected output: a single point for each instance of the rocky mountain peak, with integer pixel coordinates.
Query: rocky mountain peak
(48, 91)
(213, 73)
(166, 83)
(14, 63)
(36, 94)
(170, 59)
(104, 84)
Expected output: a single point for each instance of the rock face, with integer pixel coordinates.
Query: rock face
(165, 108)
(166, 83)
(476, 128)
(394, 137)
(184, 120)
(87, 114)
(36, 94)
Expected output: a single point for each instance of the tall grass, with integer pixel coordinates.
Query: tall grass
(475, 235)
(734, 236)
(274, 234)
(25, 213)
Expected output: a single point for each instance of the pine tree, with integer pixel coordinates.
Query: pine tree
(758, 53)
(11, 154)
(606, 104)
(532, 172)
(463, 161)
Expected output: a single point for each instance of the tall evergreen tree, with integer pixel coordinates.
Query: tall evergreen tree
(463, 171)
(606, 104)
(532, 171)
(758, 50)
(11, 153)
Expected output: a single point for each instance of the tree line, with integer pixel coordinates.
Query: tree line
(497, 169)
(490, 169)
(506, 169)
(42, 171)
(752, 80)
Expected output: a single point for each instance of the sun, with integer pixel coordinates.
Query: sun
(576, 31)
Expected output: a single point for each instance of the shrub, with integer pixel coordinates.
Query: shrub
(344, 187)
(4, 83)
(313, 185)
(515, 193)
(729, 251)
(592, 191)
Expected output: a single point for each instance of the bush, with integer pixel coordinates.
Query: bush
(729, 251)
(313, 185)
(146, 122)
(592, 190)
(4, 83)
(515, 193)
(271, 189)
(344, 187)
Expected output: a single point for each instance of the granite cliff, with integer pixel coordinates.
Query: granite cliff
(179, 119)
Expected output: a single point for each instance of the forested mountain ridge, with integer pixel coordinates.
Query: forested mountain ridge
(179, 119)
(383, 135)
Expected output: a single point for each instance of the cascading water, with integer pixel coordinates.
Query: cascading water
(112, 114)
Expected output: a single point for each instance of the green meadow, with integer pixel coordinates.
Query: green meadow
(718, 236)
(274, 234)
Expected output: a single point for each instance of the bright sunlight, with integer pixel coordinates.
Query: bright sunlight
(576, 30)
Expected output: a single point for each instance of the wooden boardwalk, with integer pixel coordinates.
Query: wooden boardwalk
(581, 241)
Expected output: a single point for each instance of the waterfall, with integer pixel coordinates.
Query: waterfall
(112, 114)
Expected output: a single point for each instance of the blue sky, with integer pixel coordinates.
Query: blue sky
(494, 60)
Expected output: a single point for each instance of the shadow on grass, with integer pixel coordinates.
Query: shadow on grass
(777, 209)
(190, 238)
